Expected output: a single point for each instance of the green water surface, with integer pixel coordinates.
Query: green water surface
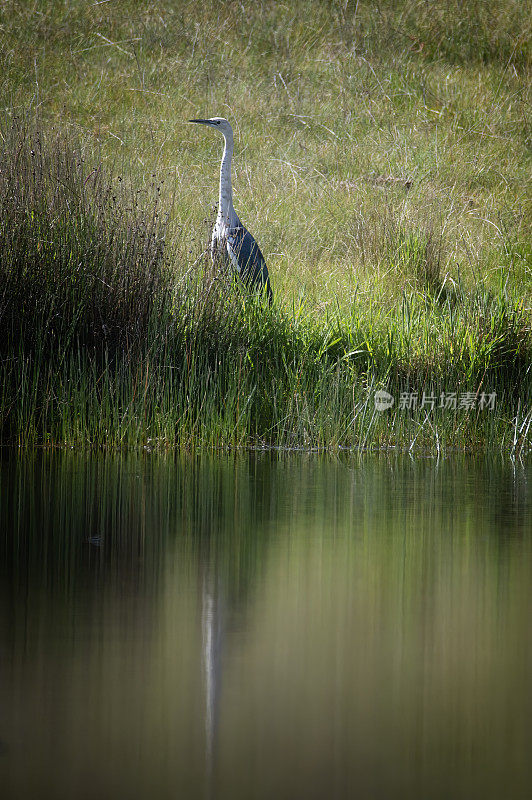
(265, 627)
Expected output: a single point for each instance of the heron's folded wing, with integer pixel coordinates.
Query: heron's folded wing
(248, 260)
(245, 254)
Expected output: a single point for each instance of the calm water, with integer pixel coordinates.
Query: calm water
(265, 628)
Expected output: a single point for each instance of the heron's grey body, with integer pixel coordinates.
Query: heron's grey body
(230, 239)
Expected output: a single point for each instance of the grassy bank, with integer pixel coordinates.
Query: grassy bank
(108, 339)
(383, 162)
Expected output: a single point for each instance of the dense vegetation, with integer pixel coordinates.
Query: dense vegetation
(382, 161)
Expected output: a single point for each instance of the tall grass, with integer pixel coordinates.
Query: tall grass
(112, 336)
(81, 260)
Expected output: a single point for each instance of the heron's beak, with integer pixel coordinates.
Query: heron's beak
(201, 121)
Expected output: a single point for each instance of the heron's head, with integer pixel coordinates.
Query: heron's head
(220, 123)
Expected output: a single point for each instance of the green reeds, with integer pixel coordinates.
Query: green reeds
(109, 339)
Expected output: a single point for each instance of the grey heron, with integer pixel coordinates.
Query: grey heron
(230, 239)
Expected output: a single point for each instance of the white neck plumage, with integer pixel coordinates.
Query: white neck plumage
(225, 206)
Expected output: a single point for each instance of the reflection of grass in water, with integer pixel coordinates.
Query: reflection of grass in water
(378, 579)
(111, 523)
(222, 512)
(109, 342)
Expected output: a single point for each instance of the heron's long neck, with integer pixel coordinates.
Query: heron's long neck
(225, 206)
